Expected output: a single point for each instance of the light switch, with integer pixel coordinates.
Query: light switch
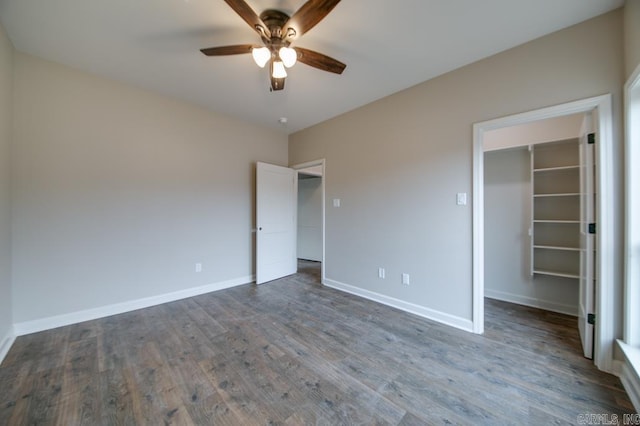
(461, 198)
(336, 202)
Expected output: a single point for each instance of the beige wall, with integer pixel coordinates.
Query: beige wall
(398, 163)
(118, 192)
(552, 129)
(6, 76)
(631, 36)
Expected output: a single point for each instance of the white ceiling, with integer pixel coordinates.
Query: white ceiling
(387, 46)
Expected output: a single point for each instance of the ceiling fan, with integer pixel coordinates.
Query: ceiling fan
(277, 31)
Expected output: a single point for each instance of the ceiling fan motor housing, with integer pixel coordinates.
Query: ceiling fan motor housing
(274, 20)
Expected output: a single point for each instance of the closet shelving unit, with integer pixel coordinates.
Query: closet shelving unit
(555, 168)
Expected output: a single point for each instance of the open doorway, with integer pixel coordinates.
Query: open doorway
(539, 199)
(310, 217)
(600, 108)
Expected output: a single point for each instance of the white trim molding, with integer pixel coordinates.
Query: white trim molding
(28, 327)
(629, 373)
(630, 376)
(547, 305)
(431, 314)
(632, 225)
(617, 368)
(6, 342)
(477, 234)
(605, 263)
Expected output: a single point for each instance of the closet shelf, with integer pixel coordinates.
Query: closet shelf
(566, 194)
(547, 247)
(556, 169)
(554, 221)
(556, 209)
(555, 274)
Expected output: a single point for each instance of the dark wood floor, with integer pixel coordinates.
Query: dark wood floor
(293, 352)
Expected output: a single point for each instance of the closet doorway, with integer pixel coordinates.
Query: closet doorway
(600, 109)
(539, 202)
(310, 216)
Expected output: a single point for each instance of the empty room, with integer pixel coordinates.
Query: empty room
(319, 212)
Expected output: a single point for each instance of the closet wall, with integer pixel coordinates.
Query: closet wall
(508, 209)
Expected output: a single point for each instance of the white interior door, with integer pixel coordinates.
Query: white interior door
(587, 243)
(276, 222)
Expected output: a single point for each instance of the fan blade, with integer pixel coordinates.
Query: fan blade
(249, 16)
(312, 12)
(320, 61)
(236, 49)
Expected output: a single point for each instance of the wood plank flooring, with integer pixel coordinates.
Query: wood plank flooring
(293, 352)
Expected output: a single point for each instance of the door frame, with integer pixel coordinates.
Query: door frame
(321, 162)
(632, 208)
(605, 275)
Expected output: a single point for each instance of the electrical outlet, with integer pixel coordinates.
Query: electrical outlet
(381, 273)
(405, 279)
(198, 267)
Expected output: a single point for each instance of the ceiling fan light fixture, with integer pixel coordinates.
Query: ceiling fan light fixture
(261, 55)
(278, 70)
(277, 30)
(288, 56)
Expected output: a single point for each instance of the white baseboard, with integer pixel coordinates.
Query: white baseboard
(632, 385)
(629, 375)
(441, 317)
(28, 327)
(616, 367)
(6, 342)
(547, 305)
